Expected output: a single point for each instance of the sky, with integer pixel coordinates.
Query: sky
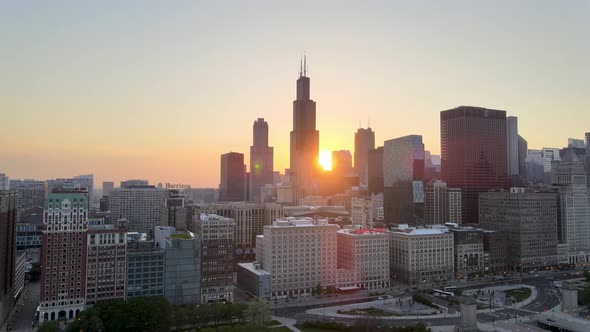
(159, 90)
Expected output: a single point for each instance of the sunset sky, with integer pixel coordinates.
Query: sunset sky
(159, 89)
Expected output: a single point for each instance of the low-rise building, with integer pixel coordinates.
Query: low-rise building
(421, 255)
(253, 279)
(529, 219)
(469, 251)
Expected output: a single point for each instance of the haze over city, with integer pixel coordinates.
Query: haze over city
(159, 90)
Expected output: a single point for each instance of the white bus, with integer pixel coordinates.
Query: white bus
(438, 292)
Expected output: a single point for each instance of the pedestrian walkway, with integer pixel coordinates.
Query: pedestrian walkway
(287, 322)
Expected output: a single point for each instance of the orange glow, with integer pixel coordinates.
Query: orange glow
(326, 160)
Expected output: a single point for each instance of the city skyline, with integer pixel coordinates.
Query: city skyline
(144, 105)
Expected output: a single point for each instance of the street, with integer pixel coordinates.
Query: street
(26, 311)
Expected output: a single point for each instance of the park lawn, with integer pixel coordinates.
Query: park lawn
(520, 294)
(279, 329)
(274, 322)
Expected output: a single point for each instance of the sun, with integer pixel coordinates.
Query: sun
(326, 160)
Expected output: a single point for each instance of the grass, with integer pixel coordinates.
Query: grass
(520, 294)
(279, 329)
(274, 322)
(368, 312)
(182, 236)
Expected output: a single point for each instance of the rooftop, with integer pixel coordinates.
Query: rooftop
(299, 222)
(405, 229)
(252, 268)
(364, 231)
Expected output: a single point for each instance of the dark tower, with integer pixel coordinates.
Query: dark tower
(364, 141)
(261, 160)
(473, 154)
(232, 187)
(304, 137)
(8, 204)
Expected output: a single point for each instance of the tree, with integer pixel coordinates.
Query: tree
(48, 326)
(258, 313)
(317, 290)
(87, 321)
(138, 314)
(181, 317)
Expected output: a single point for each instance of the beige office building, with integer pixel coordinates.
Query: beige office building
(421, 256)
(300, 254)
(366, 253)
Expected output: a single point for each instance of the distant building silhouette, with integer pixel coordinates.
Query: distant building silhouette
(364, 141)
(305, 139)
(341, 162)
(375, 170)
(261, 160)
(232, 187)
(473, 147)
(8, 211)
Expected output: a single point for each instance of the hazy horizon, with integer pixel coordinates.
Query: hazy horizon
(159, 91)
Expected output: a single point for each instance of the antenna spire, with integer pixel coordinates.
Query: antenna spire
(304, 64)
(300, 67)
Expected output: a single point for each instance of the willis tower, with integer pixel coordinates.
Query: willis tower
(304, 137)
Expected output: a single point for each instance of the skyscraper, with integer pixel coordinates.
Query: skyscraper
(403, 174)
(473, 148)
(141, 205)
(305, 139)
(364, 141)
(522, 152)
(63, 255)
(574, 219)
(31, 193)
(436, 203)
(261, 160)
(512, 145)
(107, 187)
(7, 251)
(232, 186)
(341, 162)
(375, 170)
(4, 182)
(77, 182)
(528, 219)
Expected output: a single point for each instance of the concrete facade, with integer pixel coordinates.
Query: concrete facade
(420, 256)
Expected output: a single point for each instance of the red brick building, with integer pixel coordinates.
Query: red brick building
(63, 255)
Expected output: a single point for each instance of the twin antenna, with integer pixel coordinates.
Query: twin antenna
(303, 66)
